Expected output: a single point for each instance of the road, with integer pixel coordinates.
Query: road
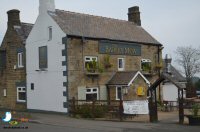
(103, 126)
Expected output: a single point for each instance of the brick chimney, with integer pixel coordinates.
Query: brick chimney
(46, 5)
(134, 15)
(13, 18)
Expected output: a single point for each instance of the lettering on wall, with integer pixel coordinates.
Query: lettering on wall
(119, 48)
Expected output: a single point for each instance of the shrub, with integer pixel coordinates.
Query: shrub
(86, 111)
(195, 109)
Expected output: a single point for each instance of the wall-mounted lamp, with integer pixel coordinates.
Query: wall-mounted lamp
(125, 90)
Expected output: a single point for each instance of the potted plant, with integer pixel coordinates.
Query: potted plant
(107, 63)
(146, 67)
(194, 119)
(94, 67)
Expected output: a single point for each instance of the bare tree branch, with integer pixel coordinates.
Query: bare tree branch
(188, 59)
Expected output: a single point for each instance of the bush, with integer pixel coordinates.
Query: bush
(195, 109)
(86, 111)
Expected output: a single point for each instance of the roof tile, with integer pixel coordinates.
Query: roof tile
(101, 27)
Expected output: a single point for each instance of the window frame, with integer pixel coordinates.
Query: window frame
(123, 64)
(146, 61)
(50, 33)
(4, 92)
(21, 91)
(20, 63)
(91, 59)
(42, 67)
(92, 92)
(118, 98)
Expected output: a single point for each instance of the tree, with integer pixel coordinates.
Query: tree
(189, 60)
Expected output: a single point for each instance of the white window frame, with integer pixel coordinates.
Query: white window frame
(22, 91)
(117, 98)
(50, 33)
(89, 59)
(4, 92)
(92, 92)
(145, 61)
(20, 60)
(123, 64)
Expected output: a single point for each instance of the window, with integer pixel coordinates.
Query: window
(50, 33)
(2, 59)
(43, 57)
(146, 65)
(4, 92)
(91, 94)
(32, 86)
(20, 60)
(21, 94)
(121, 64)
(118, 93)
(89, 59)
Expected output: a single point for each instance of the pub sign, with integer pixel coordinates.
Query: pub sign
(119, 48)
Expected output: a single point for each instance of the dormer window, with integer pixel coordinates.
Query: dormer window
(50, 32)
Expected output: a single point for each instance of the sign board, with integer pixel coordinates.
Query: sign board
(119, 48)
(140, 91)
(136, 107)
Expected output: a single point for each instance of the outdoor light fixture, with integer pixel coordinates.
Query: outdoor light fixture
(125, 90)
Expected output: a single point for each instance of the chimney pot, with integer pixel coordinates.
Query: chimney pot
(46, 5)
(134, 15)
(13, 18)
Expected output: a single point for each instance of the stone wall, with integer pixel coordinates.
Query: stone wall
(132, 90)
(10, 76)
(77, 74)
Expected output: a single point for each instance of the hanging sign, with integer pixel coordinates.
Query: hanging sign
(136, 107)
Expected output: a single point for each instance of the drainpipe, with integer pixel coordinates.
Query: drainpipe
(159, 87)
(83, 42)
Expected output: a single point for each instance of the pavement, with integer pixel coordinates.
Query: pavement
(164, 117)
(168, 121)
(63, 119)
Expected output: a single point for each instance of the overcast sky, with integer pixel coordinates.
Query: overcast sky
(172, 22)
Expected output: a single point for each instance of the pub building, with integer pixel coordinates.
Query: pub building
(89, 58)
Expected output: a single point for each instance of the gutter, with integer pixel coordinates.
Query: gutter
(115, 40)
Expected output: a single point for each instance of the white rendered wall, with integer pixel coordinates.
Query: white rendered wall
(170, 92)
(48, 85)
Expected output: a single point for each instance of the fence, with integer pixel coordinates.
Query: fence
(112, 109)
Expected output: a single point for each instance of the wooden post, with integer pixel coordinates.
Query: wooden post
(73, 106)
(156, 109)
(121, 109)
(153, 115)
(181, 109)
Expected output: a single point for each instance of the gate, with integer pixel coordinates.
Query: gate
(153, 112)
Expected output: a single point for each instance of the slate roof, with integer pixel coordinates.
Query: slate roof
(176, 75)
(85, 25)
(24, 30)
(122, 78)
